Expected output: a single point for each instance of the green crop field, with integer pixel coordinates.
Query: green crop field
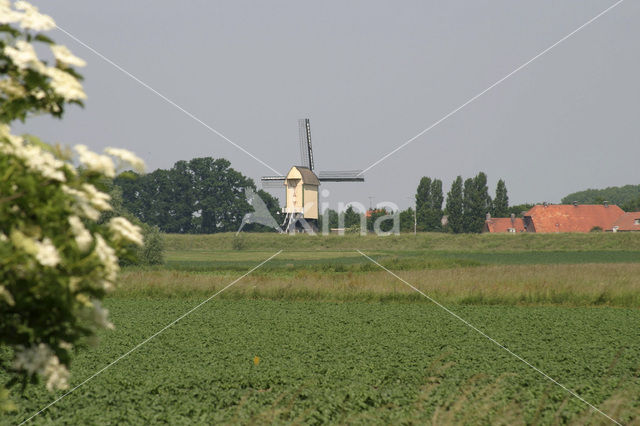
(321, 334)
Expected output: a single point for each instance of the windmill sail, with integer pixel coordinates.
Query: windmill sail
(306, 152)
(272, 181)
(341, 176)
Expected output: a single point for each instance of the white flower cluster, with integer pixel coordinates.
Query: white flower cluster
(64, 84)
(124, 230)
(24, 56)
(8, 15)
(47, 254)
(65, 57)
(98, 199)
(107, 256)
(95, 162)
(101, 315)
(90, 201)
(37, 159)
(26, 14)
(41, 360)
(83, 206)
(32, 19)
(127, 157)
(12, 89)
(82, 236)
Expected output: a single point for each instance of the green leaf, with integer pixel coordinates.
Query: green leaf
(44, 39)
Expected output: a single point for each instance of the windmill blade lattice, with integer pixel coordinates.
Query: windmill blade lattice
(341, 176)
(272, 181)
(306, 151)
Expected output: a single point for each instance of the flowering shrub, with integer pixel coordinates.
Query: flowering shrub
(56, 260)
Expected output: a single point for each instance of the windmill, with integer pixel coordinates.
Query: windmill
(302, 184)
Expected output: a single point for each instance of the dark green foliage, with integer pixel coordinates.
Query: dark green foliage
(468, 196)
(618, 195)
(481, 202)
(429, 201)
(352, 218)
(423, 202)
(519, 209)
(407, 220)
(273, 205)
(331, 217)
(501, 201)
(220, 201)
(455, 209)
(386, 225)
(203, 195)
(476, 203)
(631, 206)
(152, 253)
(434, 215)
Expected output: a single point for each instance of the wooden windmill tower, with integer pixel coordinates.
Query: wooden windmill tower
(301, 184)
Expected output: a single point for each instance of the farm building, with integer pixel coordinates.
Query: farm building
(628, 222)
(504, 224)
(547, 218)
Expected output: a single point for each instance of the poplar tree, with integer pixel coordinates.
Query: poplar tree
(423, 202)
(468, 196)
(434, 212)
(454, 208)
(501, 201)
(480, 203)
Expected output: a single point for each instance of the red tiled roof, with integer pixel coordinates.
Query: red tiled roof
(570, 218)
(503, 224)
(627, 222)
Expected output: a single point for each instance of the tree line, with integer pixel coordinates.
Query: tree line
(206, 195)
(467, 204)
(200, 196)
(627, 197)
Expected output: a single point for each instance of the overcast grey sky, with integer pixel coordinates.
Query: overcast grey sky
(369, 75)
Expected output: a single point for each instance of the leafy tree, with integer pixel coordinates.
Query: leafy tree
(352, 218)
(618, 195)
(455, 207)
(386, 225)
(152, 252)
(331, 216)
(631, 206)
(273, 205)
(407, 220)
(219, 190)
(519, 209)
(184, 198)
(203, 195)
(501, 202)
